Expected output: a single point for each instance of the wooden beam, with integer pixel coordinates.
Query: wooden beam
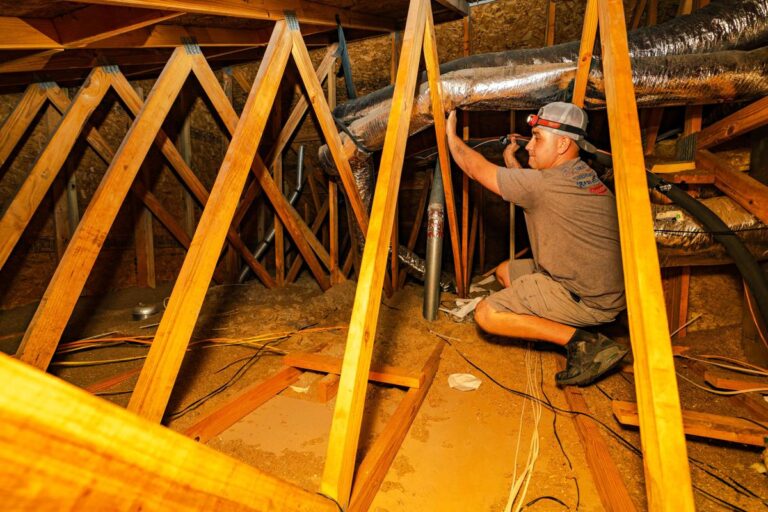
(742, 188)
(610, 485)
(668, 482)
(134, 104)
(701, 424)
(726, 381)
(49, 162)
(637, 14)
(588, 34)
(171, 36)
(384, 374)
(139, 189)
(302, 236)
(241, 405)
(379, 458)
(549, 34)
(309, 12)
(345, 430)
(457, 6)
(59, 445)
(293, 272)
(443, 155)
(27, 34)
(18, 121)
(748, 118)
(150, 397)
(327, 125)
(97, 22)
(60, 297)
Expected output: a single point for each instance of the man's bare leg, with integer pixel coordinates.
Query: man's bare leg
(521, 326)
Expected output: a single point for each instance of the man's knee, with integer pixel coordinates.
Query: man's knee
(502, 273)
(483, 313)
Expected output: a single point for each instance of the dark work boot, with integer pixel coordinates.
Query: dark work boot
(589, 357)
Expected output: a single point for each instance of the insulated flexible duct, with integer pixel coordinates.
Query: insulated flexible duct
(745, 262)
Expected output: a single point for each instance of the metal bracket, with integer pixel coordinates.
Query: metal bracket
(293, 21)
(47, 85)
(191, 46)
(112, 69)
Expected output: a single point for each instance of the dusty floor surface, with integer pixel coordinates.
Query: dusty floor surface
(461, 452)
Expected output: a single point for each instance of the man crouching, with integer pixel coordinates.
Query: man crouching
(575, 277)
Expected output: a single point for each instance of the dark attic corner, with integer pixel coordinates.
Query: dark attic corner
(497, 255)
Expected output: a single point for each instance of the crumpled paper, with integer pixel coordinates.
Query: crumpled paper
(463, 381)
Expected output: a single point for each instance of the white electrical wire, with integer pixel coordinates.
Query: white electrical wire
(520, 483)
(719, 392)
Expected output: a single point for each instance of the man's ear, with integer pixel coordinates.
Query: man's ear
(563, 144)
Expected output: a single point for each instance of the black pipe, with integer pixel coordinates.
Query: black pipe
(745, 262)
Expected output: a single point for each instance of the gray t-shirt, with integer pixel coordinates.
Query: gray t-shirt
(573, 228)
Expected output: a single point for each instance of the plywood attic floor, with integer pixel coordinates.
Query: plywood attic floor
(460, 453)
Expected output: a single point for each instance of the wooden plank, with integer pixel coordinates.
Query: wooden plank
(673, 167)
(111, 382)
(96, 22)
(742, 188)
(304, 239)
(277, 175)
(588, 34)
(701, 424)
(668, 482)
(677, 281)
(59, 300)
(134, 104)
(436, 88)
(333, 223)
(65, 449)
(17, 122)
(652, 124)
(637, 14)
(379, 458)
(153, 389)
(309, 12)
(748, 118)
(549, 34)
(384, 374)
(241, 405)
(610, 485)
(345, 430)
(27, 34)
(327, 126)
(293, 272)
(726, 381)
(49, 162)
(61, 226)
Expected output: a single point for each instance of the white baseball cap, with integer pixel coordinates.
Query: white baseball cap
(564, 119)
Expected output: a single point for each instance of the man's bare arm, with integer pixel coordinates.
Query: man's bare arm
(471, 162)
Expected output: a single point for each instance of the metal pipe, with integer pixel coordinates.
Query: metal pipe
(435, 225)
(261, 249)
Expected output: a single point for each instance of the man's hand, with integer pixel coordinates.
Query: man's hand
(509, 152)
(450, 124)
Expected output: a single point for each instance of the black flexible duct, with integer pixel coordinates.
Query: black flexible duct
(745, 262)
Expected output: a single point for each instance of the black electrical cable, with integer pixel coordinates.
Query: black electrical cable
(622, 440)
(557, 436)
(540, 498)
(341, 509)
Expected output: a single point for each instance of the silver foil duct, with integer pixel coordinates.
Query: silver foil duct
(678, 234)
(714, 55)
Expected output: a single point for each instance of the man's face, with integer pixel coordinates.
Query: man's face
(544, 148)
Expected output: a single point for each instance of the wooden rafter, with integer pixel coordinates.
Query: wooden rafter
(302, 236)
(43, 334)
(157, 378)
(748, 118)
(345, 431)
(134, 104)
(49, 163)
(668, 481)
(589, 32)
(59, 445)
(305, 11)
(18, 121)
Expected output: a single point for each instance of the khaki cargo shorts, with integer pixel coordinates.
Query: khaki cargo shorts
(534, 293)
